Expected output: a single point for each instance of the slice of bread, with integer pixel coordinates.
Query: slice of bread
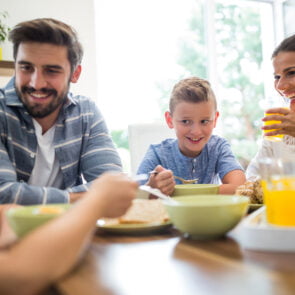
(145, 211)
(142, 211)
(253, 190)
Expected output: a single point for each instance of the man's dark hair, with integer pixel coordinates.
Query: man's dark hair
(48, 30)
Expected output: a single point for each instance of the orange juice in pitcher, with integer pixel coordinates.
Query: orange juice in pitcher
(279, 199)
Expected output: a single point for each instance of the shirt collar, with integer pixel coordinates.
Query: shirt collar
(182, 156)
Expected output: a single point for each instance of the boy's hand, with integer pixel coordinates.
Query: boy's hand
(163, 179)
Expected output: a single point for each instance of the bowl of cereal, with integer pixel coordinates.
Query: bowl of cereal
(195, 189)
(24, 219)
(205, 217)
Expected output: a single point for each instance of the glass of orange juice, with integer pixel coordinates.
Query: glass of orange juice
(277, 137)
(278, 184)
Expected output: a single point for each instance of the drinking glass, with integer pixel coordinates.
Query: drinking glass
(277, 137)
(278, 185)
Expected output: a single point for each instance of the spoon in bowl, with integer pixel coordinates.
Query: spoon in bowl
(187, 181)
(156, 192)
(184, 181)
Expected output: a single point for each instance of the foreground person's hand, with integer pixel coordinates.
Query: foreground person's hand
(7, 235)
(114, 193)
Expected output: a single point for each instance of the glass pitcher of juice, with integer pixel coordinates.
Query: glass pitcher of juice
(278, 185)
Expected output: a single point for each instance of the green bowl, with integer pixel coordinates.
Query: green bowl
(206, 216)
(26, 218)
(195, 189)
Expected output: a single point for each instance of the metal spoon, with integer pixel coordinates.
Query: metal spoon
(187, 181)
(184, 181)
(156, 192)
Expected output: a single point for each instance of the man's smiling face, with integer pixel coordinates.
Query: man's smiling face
(43, 75)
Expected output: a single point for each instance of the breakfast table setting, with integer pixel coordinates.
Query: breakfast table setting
(169, 263)
(241, 255)
(195, 242)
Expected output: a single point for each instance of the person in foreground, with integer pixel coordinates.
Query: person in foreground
(196, 153)
(50, 251)
(50, 139)
(283, 60)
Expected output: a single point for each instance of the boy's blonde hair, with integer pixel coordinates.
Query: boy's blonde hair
(191, 89)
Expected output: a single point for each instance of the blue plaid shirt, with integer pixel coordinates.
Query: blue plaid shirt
(81, 141)
(210, 166)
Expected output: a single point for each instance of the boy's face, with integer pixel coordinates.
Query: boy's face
(193, 124)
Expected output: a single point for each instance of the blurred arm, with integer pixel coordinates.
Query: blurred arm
(50, 251)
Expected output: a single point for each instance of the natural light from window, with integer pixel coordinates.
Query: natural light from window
(137, 48)
(145, 47)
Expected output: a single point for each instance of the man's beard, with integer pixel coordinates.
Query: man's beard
(38, 110)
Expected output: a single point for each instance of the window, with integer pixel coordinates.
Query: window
(288, 13)
(145, 47)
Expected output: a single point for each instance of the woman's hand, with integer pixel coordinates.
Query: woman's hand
(287, 118)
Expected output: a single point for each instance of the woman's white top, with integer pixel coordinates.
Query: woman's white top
(46, 171)
(272, 149)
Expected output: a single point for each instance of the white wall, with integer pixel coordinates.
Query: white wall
(77, 13)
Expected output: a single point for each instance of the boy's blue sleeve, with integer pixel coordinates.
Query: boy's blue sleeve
(227, 162)
(149, 162)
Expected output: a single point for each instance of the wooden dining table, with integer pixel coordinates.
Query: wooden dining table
(169, 263)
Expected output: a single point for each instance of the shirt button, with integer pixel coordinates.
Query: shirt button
(194, 170)
(32, 155)
(195, 160)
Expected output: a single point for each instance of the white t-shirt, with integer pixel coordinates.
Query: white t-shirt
(271, 149)
(46, 171)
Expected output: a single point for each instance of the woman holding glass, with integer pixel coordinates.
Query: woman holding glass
(279, 138)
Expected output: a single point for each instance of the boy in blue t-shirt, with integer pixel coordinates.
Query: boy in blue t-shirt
(196, 153)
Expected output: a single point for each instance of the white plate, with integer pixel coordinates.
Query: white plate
(257, 234)
(253, 207)
(137, 229)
